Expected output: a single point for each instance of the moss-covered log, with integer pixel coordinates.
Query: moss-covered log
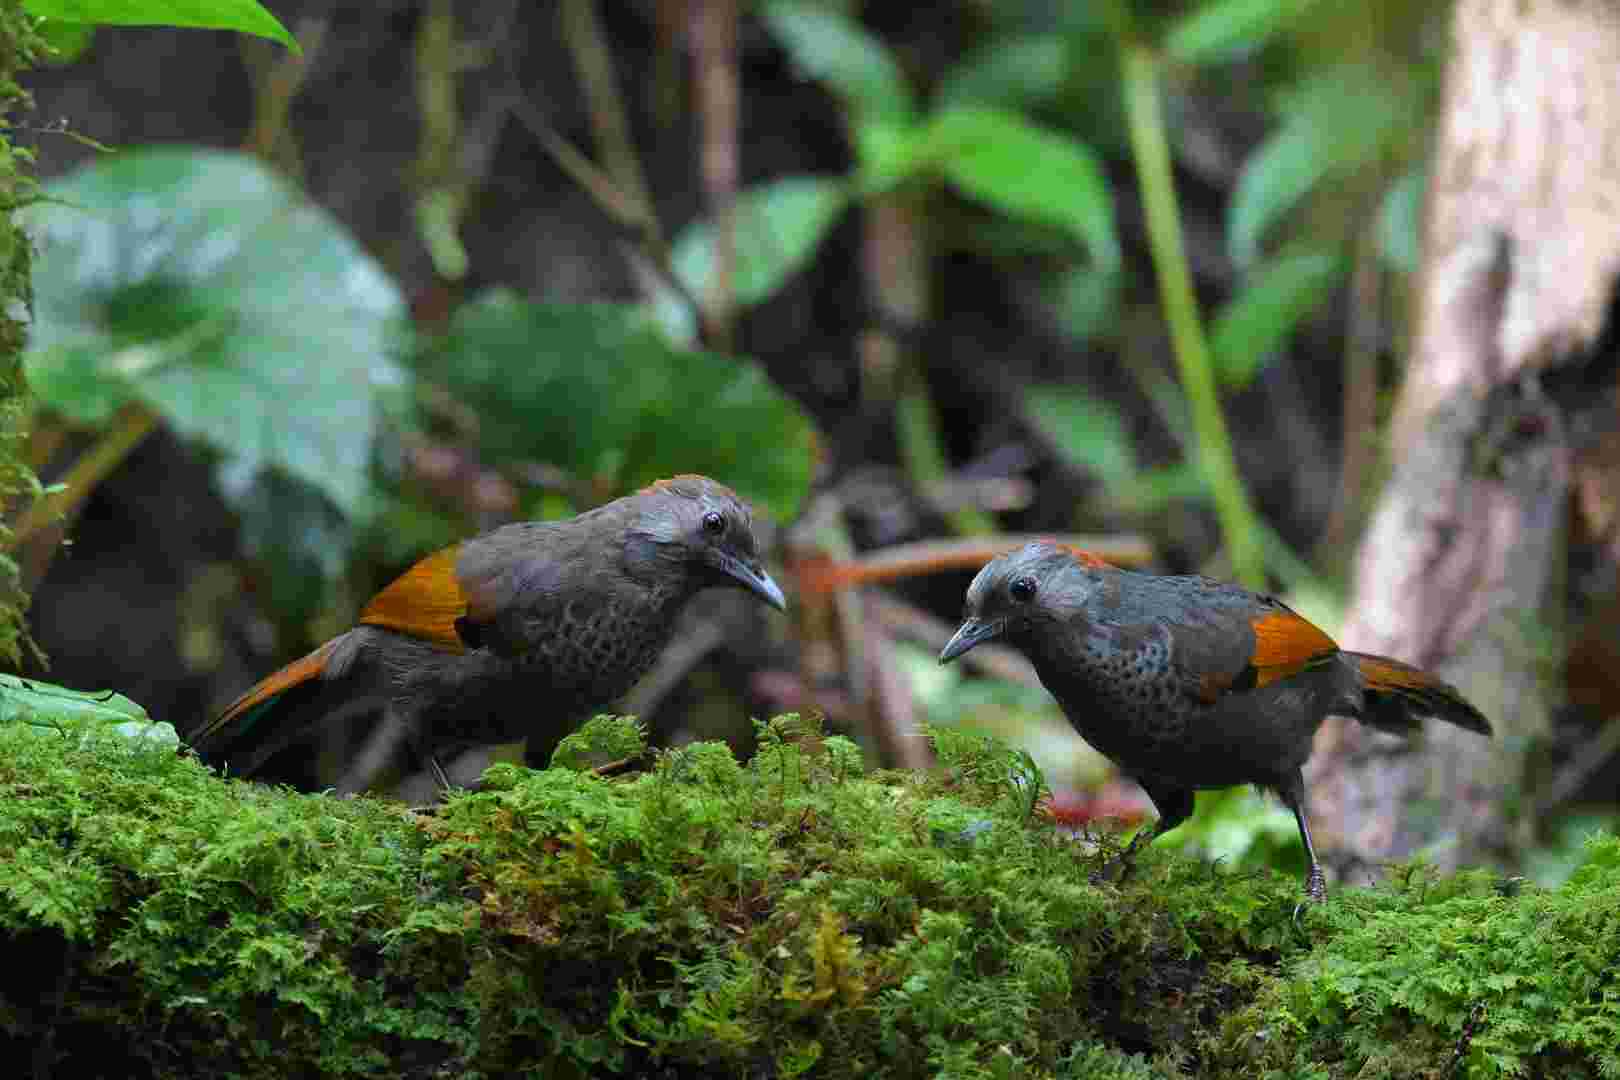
(794, 915)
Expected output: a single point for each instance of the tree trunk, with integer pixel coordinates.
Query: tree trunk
(1459, 569)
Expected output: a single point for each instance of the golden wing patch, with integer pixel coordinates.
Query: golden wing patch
(424, 602)
(1285, 644)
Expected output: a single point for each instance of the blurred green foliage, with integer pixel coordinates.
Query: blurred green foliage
(596, 389)
(68, 21)
(210, 291)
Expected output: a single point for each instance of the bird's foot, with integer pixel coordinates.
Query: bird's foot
(1315, 890)
(1115, 870)
(1316, 883)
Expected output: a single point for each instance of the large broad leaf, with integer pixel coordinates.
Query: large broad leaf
(779, 226)
(1009, 72)
(595, 389)
(1222, 29)
(834, 49)
(246, 16)
(211, 290)
(46, 705)
(1024, 171)
(1260, 319)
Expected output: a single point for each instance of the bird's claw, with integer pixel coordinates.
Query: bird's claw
(1315, 891)
(1316, 883)
(1114, 871)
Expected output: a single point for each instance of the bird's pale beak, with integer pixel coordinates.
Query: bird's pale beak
(971, 633)
(753, 578)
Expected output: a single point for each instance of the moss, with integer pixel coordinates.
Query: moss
(795, 915)
(19, 46)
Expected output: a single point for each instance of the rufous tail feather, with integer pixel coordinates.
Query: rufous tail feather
(1399, 695)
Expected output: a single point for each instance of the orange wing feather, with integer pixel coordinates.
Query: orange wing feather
(279, 682)
(1285, 644)
(1382, 673)
(424, 602)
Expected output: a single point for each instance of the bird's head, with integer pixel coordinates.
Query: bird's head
(702, 528)
(1017, 592)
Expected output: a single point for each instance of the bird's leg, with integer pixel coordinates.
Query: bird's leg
(1175, 806)
(1293, 797)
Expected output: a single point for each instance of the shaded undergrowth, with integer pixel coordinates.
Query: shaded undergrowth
(794, 915)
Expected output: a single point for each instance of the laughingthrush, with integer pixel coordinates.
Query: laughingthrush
(1190, 683)
(519, 631)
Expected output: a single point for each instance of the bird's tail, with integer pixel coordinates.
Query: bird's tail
(247, 732)
(1398, 696)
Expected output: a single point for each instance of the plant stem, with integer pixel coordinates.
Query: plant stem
(1151, 149)
(133, 424)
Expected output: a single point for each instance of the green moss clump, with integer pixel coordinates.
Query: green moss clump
(795, 915)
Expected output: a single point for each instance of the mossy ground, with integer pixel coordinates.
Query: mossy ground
(795, 915)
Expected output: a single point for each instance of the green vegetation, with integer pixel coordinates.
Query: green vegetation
(792, 915)
(19, 45)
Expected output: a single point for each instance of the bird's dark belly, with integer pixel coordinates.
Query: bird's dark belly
(1258, 736)
(482, 697)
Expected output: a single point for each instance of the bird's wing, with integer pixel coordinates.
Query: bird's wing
(1285, 643)
(423, 602)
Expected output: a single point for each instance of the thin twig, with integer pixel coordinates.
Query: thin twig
(714, 40)
(279, 75)
(593, 57)
(134, 423)
(934, 556)
(620, 208)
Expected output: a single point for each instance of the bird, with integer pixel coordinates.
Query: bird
(1186, 682)
(515, 632)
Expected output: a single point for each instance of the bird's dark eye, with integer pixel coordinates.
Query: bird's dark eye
(714, 523)
(1022, 589)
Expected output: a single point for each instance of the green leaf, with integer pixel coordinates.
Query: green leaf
(1259, 320)
(779, 226)
(832, 48)
(1026, 171)
(1087, 431)
(205, 286)
(246, 16)
(594, 388)
(1012, 72)
(1274, 179)
(43, 704)
(1223, 29)
(68, 40)
(1333, 124)
(1400, 221)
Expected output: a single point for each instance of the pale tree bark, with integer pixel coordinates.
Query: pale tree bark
(1460, 567)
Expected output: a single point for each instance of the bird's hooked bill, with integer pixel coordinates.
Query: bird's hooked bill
(754, 579)
(971, 633)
